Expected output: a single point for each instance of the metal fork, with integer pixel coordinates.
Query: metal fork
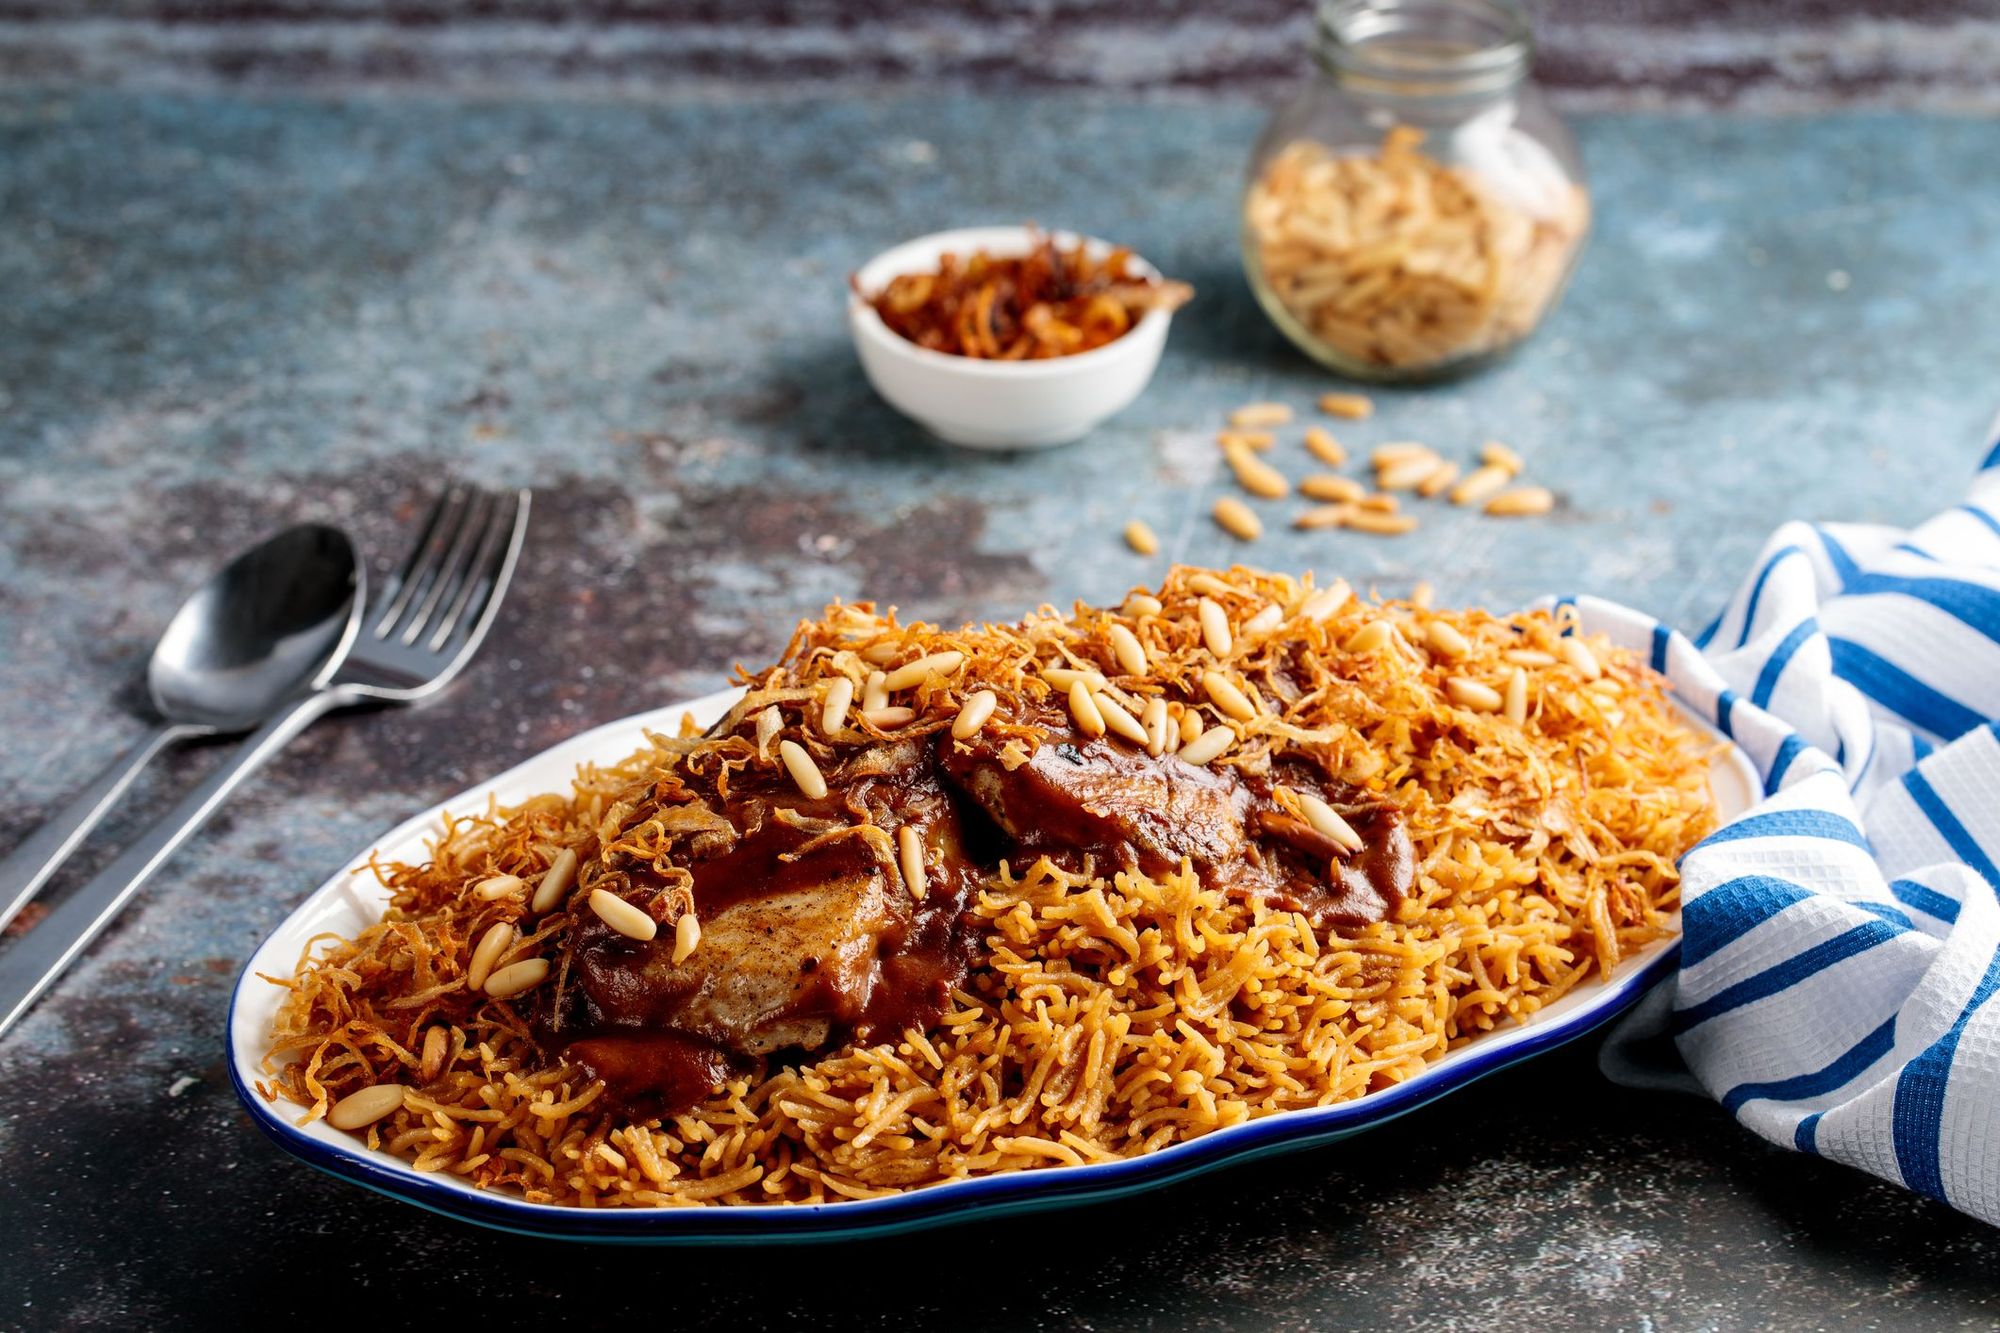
(418, 633)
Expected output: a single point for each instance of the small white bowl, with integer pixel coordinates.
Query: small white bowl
(999, 404)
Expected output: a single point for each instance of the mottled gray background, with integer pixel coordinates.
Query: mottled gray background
(271, 261)
(1764, 55)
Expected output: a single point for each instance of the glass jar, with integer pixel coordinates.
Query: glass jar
(1415, 209)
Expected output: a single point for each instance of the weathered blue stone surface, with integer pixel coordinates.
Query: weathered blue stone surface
(218, 316)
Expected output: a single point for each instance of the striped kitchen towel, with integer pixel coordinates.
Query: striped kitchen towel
(1841, 948)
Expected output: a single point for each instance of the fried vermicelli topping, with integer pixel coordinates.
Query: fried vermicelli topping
(1052, 301)
(1542, 780)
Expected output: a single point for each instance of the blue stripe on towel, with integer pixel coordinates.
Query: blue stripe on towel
(1888, 913)
(1900, 692)
(1917, 1123)
(1806, 1137)
(1844, 567)
(1844, 1069)
(1791, 748)
(1727, 911)
(1992, 523)
(1790, 824)
(1757, 589)
(1973, 604)
(1948, 827)
(1662, 636)
(1785, 975)
(1725, 704)
(1924, 899)
(1780, 658)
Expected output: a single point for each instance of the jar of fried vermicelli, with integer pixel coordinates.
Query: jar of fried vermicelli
(1415, 209)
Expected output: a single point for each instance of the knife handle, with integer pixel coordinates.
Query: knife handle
(44, 952)
(28, 866)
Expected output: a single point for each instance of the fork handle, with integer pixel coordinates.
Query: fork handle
(42, 954)
(29, 865)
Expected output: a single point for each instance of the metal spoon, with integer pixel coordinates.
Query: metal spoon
(275, 622)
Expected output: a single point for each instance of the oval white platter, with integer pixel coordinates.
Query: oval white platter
(352, 900)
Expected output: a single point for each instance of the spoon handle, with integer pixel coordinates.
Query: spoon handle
(29, 865)
(42, 954)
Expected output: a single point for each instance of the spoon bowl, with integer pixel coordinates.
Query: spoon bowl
(276, 620)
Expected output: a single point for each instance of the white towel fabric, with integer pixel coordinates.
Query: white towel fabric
(1841, 948)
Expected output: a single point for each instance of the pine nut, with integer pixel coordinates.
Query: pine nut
(1246, 439)
(1321, 445)
(1064, 677)
(910, 857)
(555, 882)
(1214, 627)
(833, 712)
(1331, 486)
(1445, 641)
(1441, 476)
(881, 654)
(1515, 704)
(1159, 727)
(1265, 621)
(1083, 711)
(1252, 415)
(1403, 451)
(1471, 694)
(1351, 406)
(888, 719)
(437, 1045)
(1369, 638)
(1222, 692)
(1528, 657)
(875, 691)
(1577, 653)
(1495, 454)
(1327, 601)
(1207, 747)
(805, 773)
(1476, 488)
(622, 916)
(498, 887)
(497, 940)
(516, 978)
(973, 715)
(1256, 476)
(1323, 516)
(1208, 585)
(1522, 501)
(1141, 538)
(1237, 520)
(1139, 606)
(687, 937)
(1404, 475)
(1379, 523)
(1125, 646)
(1189, 725)
(358, 1110)
(1421, 595)
(1117, 720)
(1327, 821)
(915, 673)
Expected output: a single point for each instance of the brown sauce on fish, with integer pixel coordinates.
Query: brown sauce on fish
(809, 941)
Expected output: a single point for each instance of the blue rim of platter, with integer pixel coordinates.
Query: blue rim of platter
(1578, 1014)
(951, 1203)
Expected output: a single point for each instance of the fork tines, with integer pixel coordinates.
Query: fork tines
(453, 574)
